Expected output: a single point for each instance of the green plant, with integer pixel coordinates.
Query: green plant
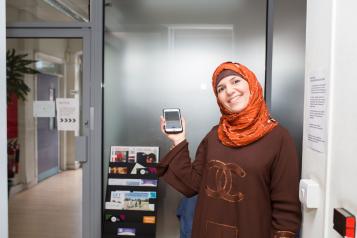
(16, 67)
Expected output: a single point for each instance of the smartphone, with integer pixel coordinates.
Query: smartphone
(172, 118)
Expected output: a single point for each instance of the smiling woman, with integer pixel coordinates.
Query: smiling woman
(245, 116)
(246, 170)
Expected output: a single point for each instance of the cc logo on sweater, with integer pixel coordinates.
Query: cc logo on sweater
(223, 176)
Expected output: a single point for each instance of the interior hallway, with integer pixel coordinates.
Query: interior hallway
(50, 209)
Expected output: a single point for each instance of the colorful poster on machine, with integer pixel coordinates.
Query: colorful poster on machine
(133, 182)
(143, 155)
(131, 200)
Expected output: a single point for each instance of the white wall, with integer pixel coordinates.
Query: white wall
(318, 55)
(3, 150)
(331, 53)
(343, 176)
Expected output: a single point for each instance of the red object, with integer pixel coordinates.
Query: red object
(12, 117)
(344, 222)
(350, 227)
(350, 222)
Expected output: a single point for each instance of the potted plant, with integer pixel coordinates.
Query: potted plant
(16, 67)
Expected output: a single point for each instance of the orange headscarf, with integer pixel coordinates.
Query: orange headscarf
(249, 125)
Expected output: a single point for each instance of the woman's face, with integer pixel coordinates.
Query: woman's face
(233, 92)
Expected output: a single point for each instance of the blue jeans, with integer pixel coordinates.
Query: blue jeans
(185, 213)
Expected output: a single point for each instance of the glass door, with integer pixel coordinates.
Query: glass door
(48, 129)
(161, 54)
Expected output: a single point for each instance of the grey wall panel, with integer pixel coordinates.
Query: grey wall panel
(288, 66)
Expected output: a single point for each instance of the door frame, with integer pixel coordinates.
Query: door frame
(91, 98)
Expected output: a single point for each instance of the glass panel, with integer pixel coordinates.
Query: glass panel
(46, 67)
(47, 11)
(161, 53)
(41, 155)
(288, 73)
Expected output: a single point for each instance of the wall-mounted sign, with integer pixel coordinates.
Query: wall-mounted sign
(44, 109)
(67, 114)
(317, 112)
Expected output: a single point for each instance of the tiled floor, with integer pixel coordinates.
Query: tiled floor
(51, 209)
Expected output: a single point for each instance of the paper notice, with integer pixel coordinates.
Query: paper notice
(44, 109)
(67, 114)
(317, 110)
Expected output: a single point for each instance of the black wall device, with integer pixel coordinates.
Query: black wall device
(344, 222)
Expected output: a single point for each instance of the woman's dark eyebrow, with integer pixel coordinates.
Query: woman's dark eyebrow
(235, 76)
(232, 77)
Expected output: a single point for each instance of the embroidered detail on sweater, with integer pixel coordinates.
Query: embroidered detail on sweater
(284, 234)
(219, 230)
(223, 176)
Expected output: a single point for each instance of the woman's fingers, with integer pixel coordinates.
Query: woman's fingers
(183, 123)
(162, 124)
(175, 138)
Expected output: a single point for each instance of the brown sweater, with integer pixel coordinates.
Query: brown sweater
(246, 192)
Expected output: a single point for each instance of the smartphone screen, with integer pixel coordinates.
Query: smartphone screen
(173, 120)
(172, 116)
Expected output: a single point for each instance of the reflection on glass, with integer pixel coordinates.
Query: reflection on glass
(47, 11)
(161, 54)
(49, 67)
(45, 181)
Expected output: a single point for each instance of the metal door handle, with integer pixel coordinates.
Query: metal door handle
(81, 148)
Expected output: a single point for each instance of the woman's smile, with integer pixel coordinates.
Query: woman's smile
(234, 99)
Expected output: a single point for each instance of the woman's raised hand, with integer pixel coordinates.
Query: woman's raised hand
(174, 138)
